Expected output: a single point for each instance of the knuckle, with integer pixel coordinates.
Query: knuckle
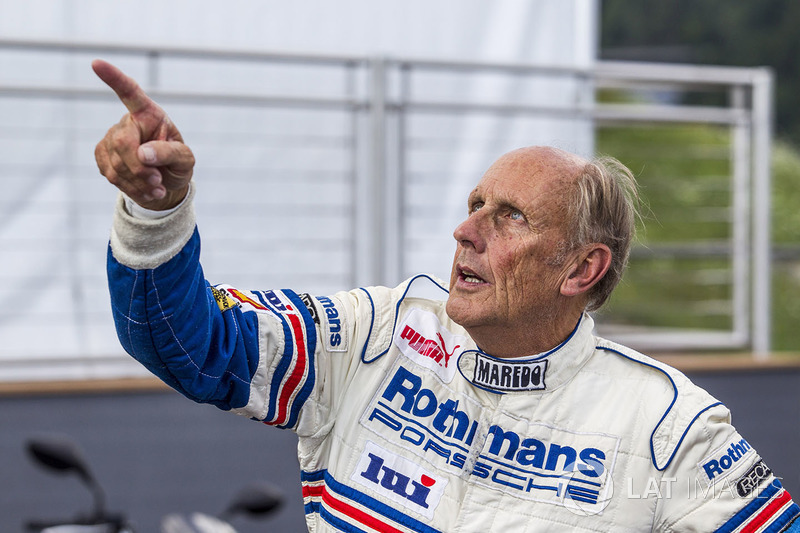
(117, 136)
(117, 163)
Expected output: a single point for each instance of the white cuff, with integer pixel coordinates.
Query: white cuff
(145, 243)
(137, 211)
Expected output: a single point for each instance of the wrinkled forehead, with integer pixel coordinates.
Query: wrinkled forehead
(532, 173)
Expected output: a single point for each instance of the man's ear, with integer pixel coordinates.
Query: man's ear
(591, 265)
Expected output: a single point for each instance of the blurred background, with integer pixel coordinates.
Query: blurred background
(336, 144)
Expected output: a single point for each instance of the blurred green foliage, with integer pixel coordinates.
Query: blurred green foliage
(680, 274)
(745, 33)
(785, 194)
(683, 174)
(786, 237)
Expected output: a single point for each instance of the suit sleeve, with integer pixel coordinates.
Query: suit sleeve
(720, 483)
(258, 353)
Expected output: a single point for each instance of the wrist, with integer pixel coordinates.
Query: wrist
(154, 210)
(171, 199)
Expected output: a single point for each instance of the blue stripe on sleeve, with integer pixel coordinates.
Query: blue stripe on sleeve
(376, 506)
(337, 522)
(283, 366)
(311, 348)
(751, 508)
(788, 517)
(312, 476)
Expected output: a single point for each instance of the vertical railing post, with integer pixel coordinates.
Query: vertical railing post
(741, 160)
(377, 173)
(762, 245)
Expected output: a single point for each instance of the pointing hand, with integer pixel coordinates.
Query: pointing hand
(143, 155)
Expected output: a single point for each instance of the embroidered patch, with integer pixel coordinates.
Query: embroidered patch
(527, 460)
(309, 303)
(245, 300)
(422, 338)
(725, 460)
(223, 299)
(508, 375)
(335, 330)
(400, 480)
(752, 479)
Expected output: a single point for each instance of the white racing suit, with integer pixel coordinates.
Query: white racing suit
(405, 425)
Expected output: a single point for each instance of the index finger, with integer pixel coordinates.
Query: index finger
(128, 91)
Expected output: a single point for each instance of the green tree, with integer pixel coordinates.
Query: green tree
(720, 32)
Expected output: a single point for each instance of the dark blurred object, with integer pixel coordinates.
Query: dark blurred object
(62, 456)
(255, 500)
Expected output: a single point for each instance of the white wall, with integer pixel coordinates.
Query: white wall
(550, 31)
(265, 166)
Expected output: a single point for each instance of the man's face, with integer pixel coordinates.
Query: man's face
(511, 255)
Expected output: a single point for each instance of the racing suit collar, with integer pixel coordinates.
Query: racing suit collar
(542, 372)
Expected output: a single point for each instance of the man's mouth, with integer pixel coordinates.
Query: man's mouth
(469, 276)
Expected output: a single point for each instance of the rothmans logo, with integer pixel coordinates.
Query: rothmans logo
(509, 375)
(725, 459)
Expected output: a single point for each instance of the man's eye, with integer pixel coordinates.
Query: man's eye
(475, 207)
(516, 215)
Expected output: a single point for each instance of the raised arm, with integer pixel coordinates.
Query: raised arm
(251, 351)
(143, 155)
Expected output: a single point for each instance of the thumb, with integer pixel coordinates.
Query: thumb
(171, 157)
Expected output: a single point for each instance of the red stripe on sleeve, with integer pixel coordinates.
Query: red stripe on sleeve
(767, 512)
(311, 491)
(290, 385)
(357, 514)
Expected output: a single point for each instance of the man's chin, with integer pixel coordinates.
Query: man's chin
(461, 311)
(453, 308)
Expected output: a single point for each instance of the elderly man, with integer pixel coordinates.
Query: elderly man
(488, 407)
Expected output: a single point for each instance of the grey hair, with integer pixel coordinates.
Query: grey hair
(604, 210)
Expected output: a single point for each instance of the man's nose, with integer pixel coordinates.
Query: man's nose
(471, 232)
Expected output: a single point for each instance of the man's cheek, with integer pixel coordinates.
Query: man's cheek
(516, 279)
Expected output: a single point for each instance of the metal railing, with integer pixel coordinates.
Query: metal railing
(382, 134)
